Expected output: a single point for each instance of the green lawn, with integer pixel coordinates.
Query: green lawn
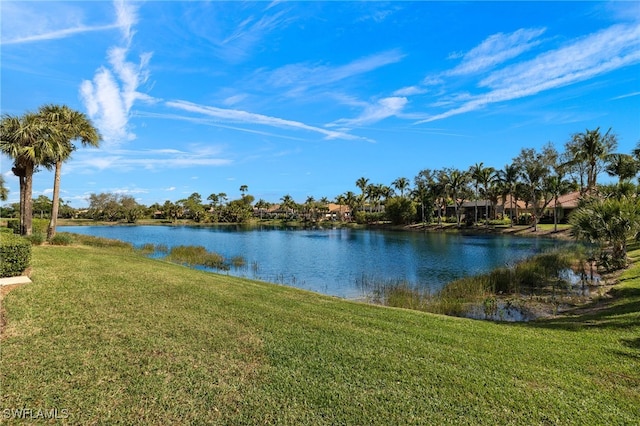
(110, 336)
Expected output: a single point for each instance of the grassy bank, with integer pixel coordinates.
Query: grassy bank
(110, 336)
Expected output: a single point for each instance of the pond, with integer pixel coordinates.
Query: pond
(338, 261)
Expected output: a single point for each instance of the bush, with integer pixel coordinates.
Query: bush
(15, 253)
(38, 226)
(37, 238)
(62, 239)
(498, 222)
(400, 211)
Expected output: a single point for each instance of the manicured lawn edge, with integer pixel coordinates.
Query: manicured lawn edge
(111, 336)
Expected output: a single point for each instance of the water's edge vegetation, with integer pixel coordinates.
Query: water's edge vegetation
(540, 286)
(109, 335)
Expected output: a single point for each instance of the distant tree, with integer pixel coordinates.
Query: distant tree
(351, 200)
(423, 194)
(288, 204)
(558, 185)
(475, 172)
(193, 207)
(456, 182)
(400, 210)
(591, 150)
(262, 206)
(438, 188)
(487, 177)
(131, 210)
(105, 206)
(401, 184)
(42, 205)
(508, 181)
(4, 192)
(362, 183)
(535, 169)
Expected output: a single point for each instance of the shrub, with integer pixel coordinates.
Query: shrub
(62, 239)
(38, 226)
(15, 253)
(400, 210)
(498, 222)
(37, 238)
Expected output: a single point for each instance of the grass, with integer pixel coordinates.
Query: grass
(112, 336)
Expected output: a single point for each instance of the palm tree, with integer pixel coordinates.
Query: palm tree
(310, 206)
(351, 200)
(362, 183)
(438, 187)
(401, 184)
(624, 166)
(486, 176)
(69, 125)
(557, 185)
(422, 190)
(262, 205)
(29, 142)
(4, 192)
(456, 186)
(535, 168)
(508, 178)
(592, 149)
(476, 172)
(288, 204)
(609, 222)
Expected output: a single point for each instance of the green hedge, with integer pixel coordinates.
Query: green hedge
(38, 226)
(15, 255)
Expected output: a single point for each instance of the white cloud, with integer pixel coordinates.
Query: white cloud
(596, 54)
(303, 76)
(384, 108)
(495, 50)
(410, 91)
(113, 91)
(152, 159)
(24, 23)
(238, 116)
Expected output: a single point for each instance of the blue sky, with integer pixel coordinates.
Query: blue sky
(303, 98)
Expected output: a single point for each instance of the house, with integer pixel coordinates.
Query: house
(566, 204)
(338, 212)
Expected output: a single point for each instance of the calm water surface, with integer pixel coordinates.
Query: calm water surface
(337, 261)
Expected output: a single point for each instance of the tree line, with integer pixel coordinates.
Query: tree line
(537, 178)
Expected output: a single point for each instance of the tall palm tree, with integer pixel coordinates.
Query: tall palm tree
(351, 200)
(592, 149)
(557, 186)
(401, 184)
(362, 183)
(456, 185)
(508, 178)
(486, 176)
(69, 126)
(423, 183)
(29, 142)
(475, 173)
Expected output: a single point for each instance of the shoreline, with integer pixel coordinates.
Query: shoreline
(544, 230)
